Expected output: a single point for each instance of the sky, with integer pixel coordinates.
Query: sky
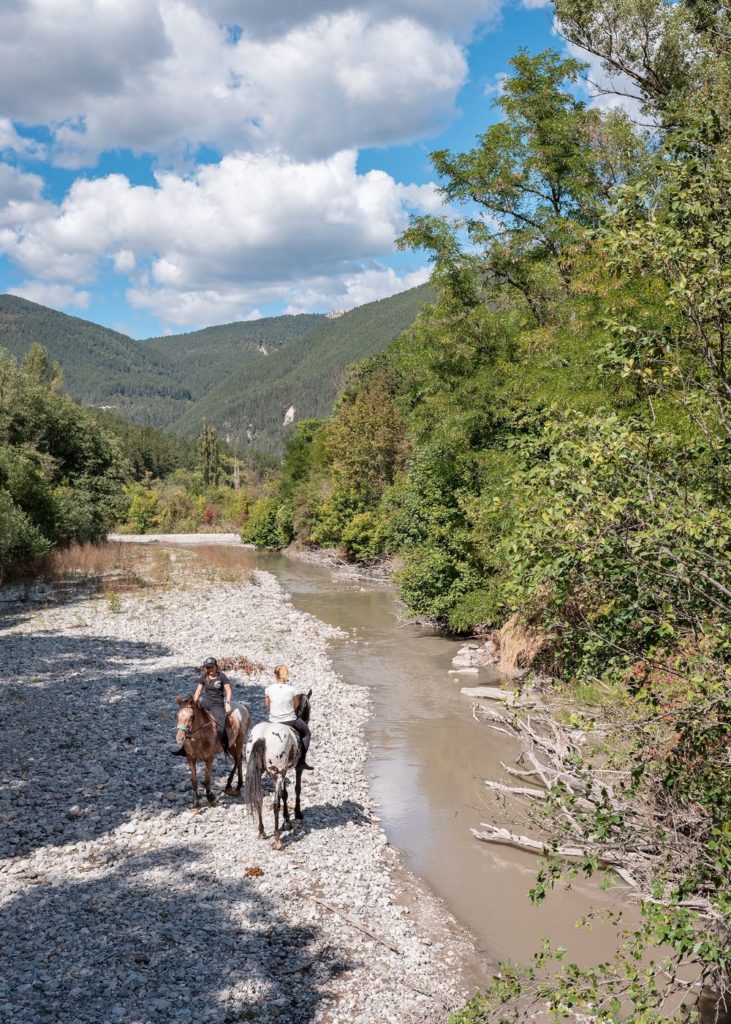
(170, 164)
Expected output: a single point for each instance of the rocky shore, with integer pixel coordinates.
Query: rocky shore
(117, 904)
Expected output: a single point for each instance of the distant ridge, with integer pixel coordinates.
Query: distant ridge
(246, 377)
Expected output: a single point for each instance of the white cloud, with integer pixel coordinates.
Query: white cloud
(54, 294)
(276, 16)
(124, 261)
(21, 200)
(353, 290)
(164, 76)
(253, 228)
(13, 143)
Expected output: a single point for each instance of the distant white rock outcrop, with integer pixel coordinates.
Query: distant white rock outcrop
(289, 415)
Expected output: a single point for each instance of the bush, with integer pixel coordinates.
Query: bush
(269, 525)
(142, 514)
(362, 536)
(20, 540)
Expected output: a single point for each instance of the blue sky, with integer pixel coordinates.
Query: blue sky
(175, 163)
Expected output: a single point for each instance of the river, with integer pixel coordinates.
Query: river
(427, 764)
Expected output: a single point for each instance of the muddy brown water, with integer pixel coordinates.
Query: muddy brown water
(428, 759)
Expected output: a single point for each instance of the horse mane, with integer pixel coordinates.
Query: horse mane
(303, 710)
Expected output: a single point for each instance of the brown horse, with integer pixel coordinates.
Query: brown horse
(198, 736)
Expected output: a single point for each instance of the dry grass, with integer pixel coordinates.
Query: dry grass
(232, 565)
(116, 568)
(97, 565)
(519, 645)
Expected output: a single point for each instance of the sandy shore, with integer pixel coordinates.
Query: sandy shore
(118, 904)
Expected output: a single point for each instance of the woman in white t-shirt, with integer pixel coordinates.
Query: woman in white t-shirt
(282, 700)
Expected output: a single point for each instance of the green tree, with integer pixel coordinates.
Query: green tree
(538, 180)
(209, 454)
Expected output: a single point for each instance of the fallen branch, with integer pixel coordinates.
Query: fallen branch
(358, 927)
(502, 837)
(500, 787)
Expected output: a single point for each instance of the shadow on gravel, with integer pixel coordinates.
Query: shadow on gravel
(87, 737)
(159, 941)
(321, 816)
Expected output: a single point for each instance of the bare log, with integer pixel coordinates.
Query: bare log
(503, 837)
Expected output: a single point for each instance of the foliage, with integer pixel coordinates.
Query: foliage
(60, 475)
(209, 455)
(147, 450)
(269, 525)
(182, 503)
(548, 444)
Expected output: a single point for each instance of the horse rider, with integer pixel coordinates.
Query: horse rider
(282, 700)
(214, 694)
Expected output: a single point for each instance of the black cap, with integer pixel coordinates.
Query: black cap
(209, 663)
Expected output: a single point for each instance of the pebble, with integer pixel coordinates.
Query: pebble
(120, 905)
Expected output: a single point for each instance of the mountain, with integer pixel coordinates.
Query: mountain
(101, 367)
(205, 358)
(247, 378)
(253, 405)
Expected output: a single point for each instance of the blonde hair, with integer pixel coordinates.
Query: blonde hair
(281, 673)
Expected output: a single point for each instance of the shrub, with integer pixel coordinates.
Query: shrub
(269, 525)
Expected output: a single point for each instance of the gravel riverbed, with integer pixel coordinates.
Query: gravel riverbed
(117, 904)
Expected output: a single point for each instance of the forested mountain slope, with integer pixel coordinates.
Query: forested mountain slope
(241, 376)
(205, 358)
(251, 406)
(101, 367)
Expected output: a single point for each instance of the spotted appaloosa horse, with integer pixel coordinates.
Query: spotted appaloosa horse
(275, 748)
(197, 734)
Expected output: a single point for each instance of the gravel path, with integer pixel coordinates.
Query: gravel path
(117, 904)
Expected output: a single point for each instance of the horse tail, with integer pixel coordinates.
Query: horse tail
(253, 793)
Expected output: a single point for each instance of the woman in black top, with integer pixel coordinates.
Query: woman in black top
(214, 694)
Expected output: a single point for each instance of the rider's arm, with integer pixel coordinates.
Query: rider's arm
(295, 702)
(198, 692)
(228, 692)
(267, 702)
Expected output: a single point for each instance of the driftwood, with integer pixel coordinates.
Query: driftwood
(548, 757)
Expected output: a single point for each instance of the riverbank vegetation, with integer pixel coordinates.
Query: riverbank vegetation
(61, 478)
(69, 475)
(550, 443)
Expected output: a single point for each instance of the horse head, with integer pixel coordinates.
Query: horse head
(303, 708)
(186, 716)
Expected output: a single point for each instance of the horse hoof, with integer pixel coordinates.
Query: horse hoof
(195, 809)
(277, 844)
(262, 835)
(211, 801)
(299, 815)
(228, 791)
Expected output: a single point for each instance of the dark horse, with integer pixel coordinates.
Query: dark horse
(275, 748)
(197, 733)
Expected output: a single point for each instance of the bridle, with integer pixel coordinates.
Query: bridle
(182, 727)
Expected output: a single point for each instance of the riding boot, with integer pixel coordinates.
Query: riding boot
(302, 763)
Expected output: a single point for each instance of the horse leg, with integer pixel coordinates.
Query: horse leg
(194, 781)
(209, 792)
(297, 790)
(285, 806)
(277, 836)
(262, 833)
(240, 780)
(230, 778)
